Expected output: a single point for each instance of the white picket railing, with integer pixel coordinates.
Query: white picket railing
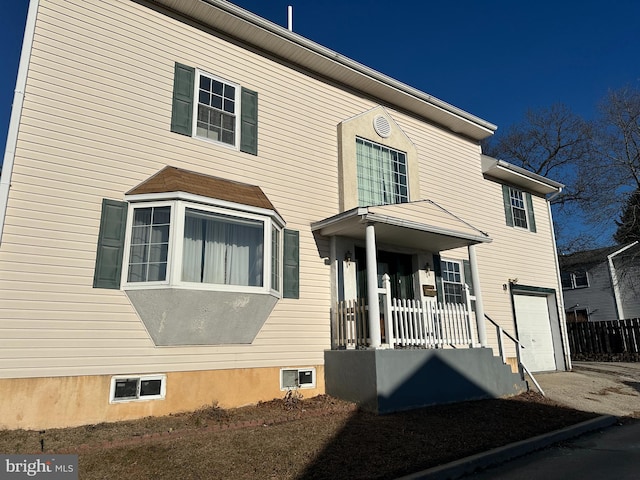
(403, 323)
(427, 324)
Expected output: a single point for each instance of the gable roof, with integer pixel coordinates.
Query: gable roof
(231, 20)
(172, 179)
(422, 224)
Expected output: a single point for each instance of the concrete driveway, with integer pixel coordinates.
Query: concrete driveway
(602, 387)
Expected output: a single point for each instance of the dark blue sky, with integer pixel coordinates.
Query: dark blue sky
(493, 59)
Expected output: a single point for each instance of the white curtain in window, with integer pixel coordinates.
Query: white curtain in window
(192, 249)
(221, 250)
(215, 246)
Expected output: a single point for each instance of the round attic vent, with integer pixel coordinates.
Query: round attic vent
(382, 126)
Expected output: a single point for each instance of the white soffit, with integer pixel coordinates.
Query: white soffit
(231, 20)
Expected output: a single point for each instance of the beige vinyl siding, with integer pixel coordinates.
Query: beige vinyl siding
(513, 253)
(95, 123)
(85, 135)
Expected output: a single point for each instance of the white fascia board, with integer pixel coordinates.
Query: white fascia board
(16, 111)
(519, 176)
(423, 227)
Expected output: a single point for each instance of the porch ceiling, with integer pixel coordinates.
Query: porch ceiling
(422, 225)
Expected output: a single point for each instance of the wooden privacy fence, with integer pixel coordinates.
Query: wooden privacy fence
(604, 338)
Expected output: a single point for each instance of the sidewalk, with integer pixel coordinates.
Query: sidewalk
(611, 389)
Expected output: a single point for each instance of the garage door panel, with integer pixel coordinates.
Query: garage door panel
(534, 332)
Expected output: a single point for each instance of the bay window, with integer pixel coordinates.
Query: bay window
(185, 244)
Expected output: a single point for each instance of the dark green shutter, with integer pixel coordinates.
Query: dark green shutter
(291, 264)
(506, 199)
(437, 270)
(249, 122)
(182, 109)
(532, 218)
(110, 244)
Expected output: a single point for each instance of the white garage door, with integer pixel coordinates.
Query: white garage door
(534, 332)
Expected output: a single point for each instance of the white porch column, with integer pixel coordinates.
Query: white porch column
(475, 279)
(372, 287)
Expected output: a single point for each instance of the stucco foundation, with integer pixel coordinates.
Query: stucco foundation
(55, 402)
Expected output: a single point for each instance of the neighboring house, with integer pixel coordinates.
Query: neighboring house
(198, 206)
(602, 284)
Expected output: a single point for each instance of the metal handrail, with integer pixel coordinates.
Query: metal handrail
(506, 333)
(521, 366)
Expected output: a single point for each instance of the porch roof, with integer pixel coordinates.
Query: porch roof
(422, 225)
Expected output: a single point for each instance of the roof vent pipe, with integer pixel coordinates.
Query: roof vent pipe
(290, 18)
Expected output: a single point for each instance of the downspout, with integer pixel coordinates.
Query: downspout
(561, 312)
(16, 111)
(614, 280)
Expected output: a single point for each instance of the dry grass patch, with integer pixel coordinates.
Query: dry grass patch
(320, 438)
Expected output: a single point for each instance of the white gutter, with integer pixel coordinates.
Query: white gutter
(16, 111)
(615, 282)
(563, 317)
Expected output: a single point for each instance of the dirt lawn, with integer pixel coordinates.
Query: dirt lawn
(319, 438)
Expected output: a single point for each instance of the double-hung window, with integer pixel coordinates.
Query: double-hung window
(209, 107)
(518, 208)
(149, 250)
(185, 244)
(452, 281)
(216, 117)
(382, 174)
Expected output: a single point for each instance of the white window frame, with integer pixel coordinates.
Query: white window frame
(522, 197)
(574, 285)
(176, 240)
(279, 258)
(298, 369)
(140, 379)
(462, 279)
(196, 102)
(397, 197)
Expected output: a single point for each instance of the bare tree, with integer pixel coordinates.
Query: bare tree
(615, 174)
(629, 221)
(552, 142)
(555, 143)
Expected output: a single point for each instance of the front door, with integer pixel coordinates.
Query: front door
(398, 266)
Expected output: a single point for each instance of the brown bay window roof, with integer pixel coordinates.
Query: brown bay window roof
(172, 179)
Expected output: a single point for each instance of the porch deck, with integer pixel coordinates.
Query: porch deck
(427, 353)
